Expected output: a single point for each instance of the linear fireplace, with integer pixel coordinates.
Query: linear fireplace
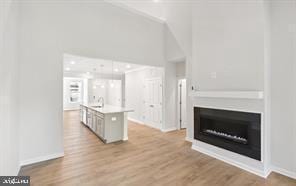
(238, 132)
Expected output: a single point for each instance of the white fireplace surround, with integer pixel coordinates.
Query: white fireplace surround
(206, 99)
(228, 94)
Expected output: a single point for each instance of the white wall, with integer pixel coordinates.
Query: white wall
(283, 85)
(134, 90)
(134, 93)
(114, 94)
(228, 53)
(95, 91)
(179, 21)
(170, 96)
(228, 40)
(51, 29)
(181, 69)
(9, 91)
(173, 52)
(111, 95)
(178, 17)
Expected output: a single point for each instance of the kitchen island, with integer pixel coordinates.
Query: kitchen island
(109, 122)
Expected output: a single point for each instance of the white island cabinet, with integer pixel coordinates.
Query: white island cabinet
(109, 123)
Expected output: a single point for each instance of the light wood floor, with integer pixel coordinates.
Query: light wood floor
(149, 157)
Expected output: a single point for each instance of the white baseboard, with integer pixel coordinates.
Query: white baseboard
(169, 129)
(18, 170)
(283, 172)
(71, 109)
(135, 120)
(42, 158)
(189, 139)
(230, 161)
(267, 172)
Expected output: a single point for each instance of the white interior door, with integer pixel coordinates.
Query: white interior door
(153, 102)
(182, 103)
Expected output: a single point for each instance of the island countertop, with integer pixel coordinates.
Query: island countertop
(107, 109)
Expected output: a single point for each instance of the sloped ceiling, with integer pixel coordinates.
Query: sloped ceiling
(153, 8)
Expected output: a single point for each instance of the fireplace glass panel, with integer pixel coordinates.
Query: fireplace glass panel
(239, 132)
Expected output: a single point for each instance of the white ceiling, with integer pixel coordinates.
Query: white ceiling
(81, 64)
(153, 8)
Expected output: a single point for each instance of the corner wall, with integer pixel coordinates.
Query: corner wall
(86, 28)
(283, 87)
(228, 53)
(9, 81)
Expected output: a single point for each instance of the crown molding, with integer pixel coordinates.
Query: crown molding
(135, 11)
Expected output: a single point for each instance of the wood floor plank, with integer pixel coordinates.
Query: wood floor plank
(149, 157)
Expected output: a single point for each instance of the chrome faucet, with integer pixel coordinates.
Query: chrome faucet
(101, 101)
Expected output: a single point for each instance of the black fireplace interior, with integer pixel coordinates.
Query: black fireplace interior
(238, 132)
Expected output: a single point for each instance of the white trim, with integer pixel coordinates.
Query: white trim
(179, 82)
(71, 109)
(135, 11)
(41, 158)
(283, 172)
(230, 161)
(18, 170)
(143, 123)
(177, 60)
(189, 139)
(229, 109)
(267, 172)
(136, 121)
(150, 126)
(169, 129)
(137, 69)
(228, 94)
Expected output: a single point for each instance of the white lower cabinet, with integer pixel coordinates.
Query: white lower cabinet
(108, 127)
(83, 114)
(99, 125)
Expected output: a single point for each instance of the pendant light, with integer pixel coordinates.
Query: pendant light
(112, 82)
(103, 84)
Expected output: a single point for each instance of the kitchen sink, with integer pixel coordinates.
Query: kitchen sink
(97, 106)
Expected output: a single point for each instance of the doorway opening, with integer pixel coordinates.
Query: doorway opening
(119, 84)
(181, 95)
(182, 88)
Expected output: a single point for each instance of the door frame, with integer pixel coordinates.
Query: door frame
(178, 101)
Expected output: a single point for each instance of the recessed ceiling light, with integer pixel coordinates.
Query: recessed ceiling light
(68, 69)
(72, 62)
(155, 1)
(116, 70)
(128, 66)
(87, 73)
